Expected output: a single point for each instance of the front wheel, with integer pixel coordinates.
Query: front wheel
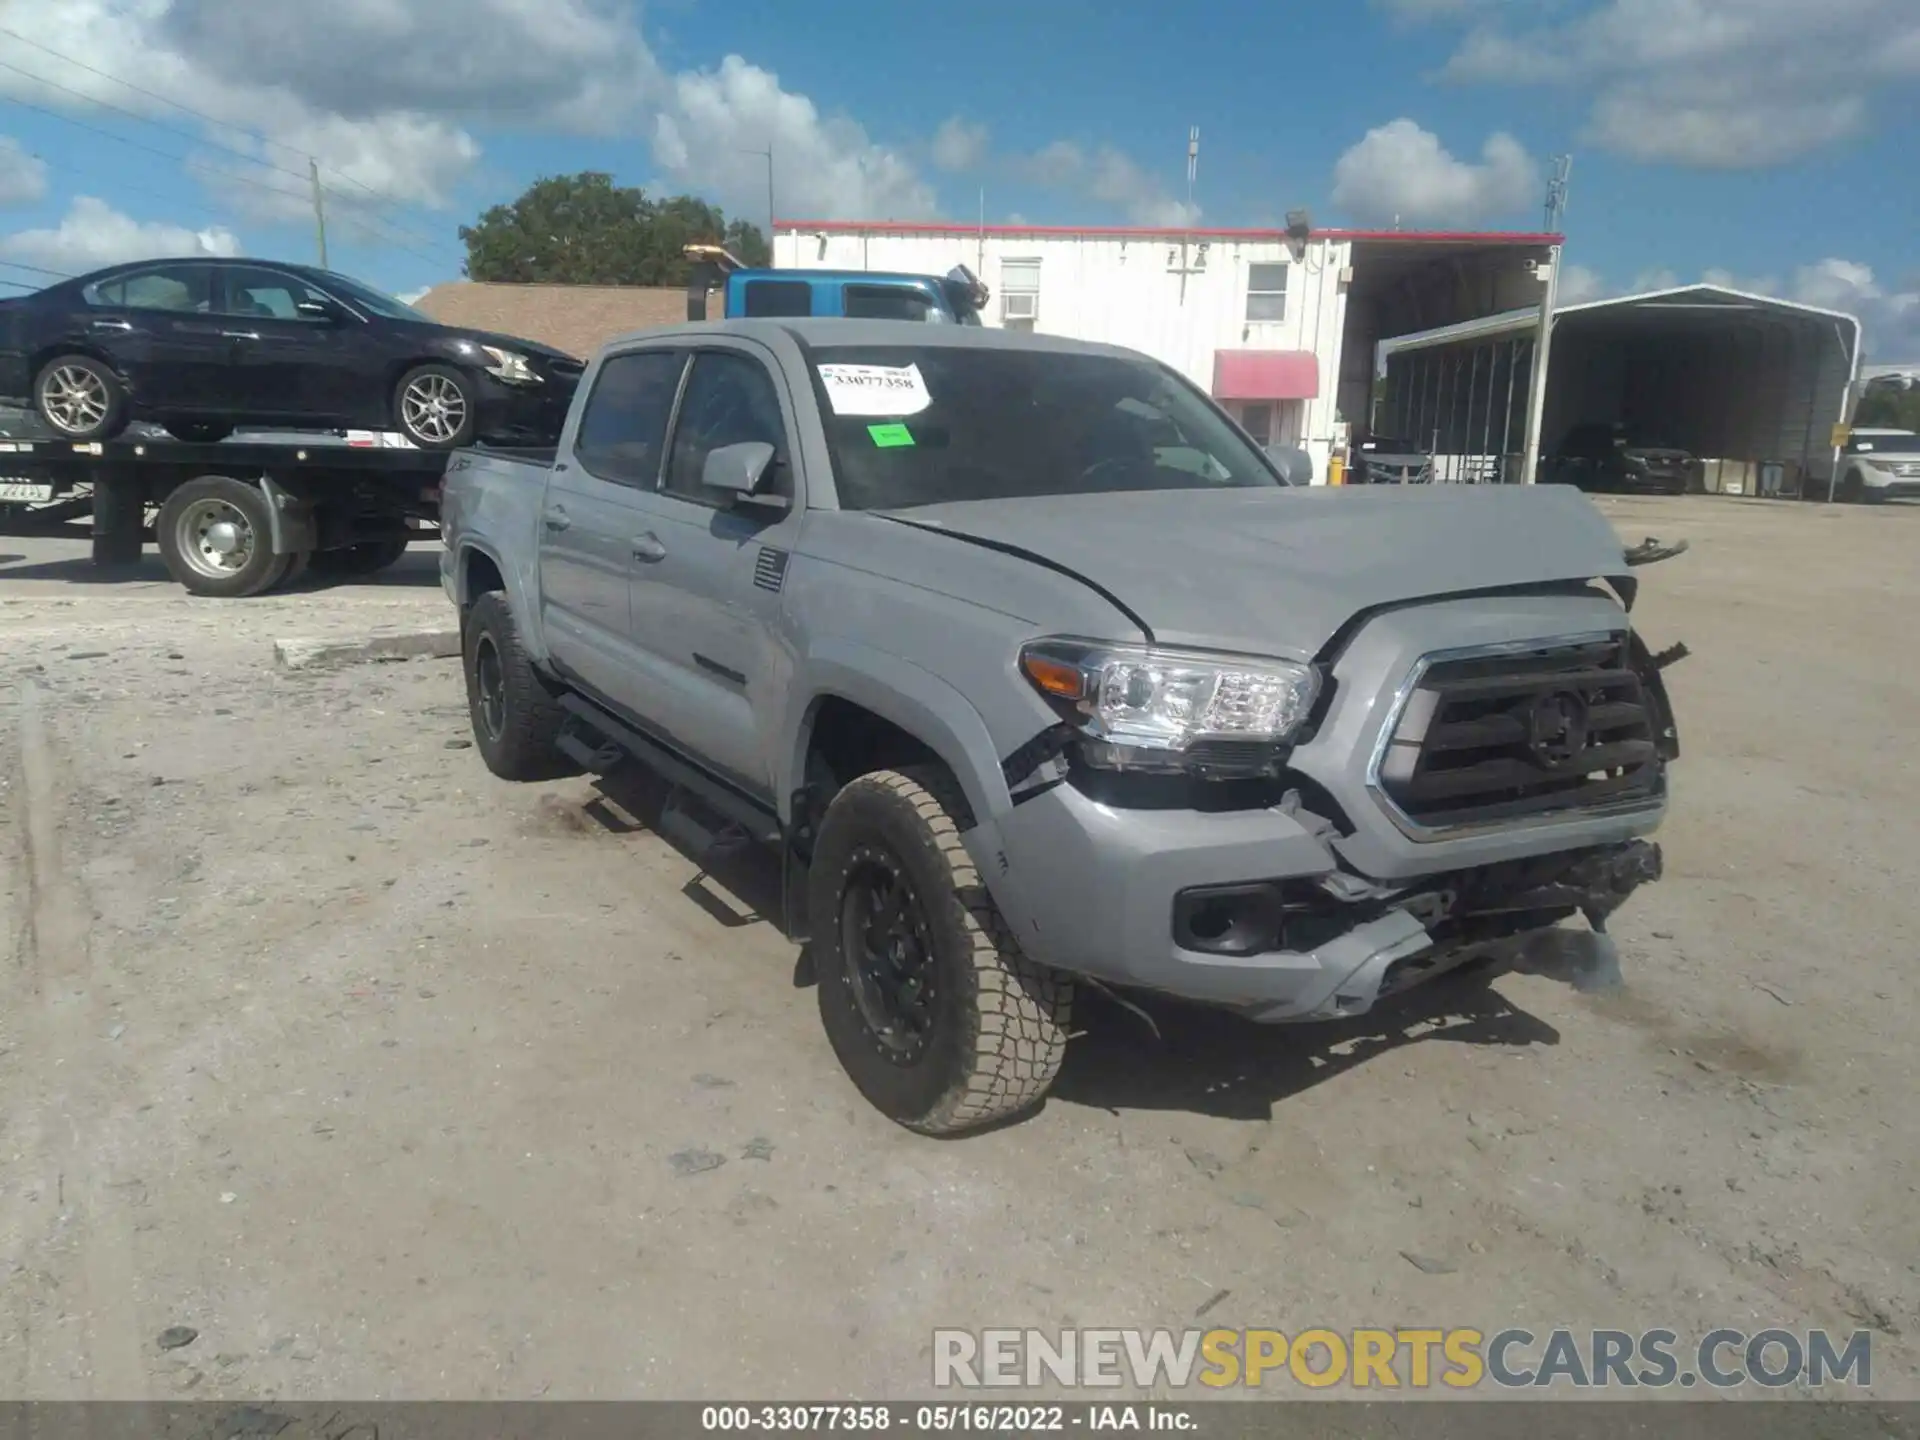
(216, 536)
(433, 406)
(80, 398)
(929, 1003)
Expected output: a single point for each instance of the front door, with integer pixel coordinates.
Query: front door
(293, 368)
(590, 520)
(159, 328)
(706, 608)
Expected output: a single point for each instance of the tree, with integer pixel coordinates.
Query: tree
(1889, 405)
(585, 230)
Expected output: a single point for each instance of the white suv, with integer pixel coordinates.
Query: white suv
(1880, 465)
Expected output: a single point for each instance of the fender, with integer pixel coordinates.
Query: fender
(916, 700)
(524, 620)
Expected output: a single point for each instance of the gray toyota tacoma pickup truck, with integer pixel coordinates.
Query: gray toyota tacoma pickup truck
(1038, 676)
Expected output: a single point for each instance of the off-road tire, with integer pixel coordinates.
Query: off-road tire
(1001, 1023)
(524, 748)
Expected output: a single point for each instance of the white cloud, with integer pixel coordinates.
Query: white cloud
(1109, 176)
(959, 145)
(413, 297)
(93, 234)
(823, 167)
(1402, 174)
(384, 94)
(1720, 84)
(23, 177)
(1579, 284)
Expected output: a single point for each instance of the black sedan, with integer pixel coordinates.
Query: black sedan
(203, 346)
(1610, 458)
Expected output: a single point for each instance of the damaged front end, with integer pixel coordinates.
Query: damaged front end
(1370, 941)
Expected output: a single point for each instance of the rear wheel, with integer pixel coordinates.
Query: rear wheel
(1852, 490)
(516, 718)
(933, 1010)
(80, 398)
(216, 537)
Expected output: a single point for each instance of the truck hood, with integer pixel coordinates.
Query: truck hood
(1279, 571)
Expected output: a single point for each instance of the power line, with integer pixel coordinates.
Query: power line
(193, 164)
(135, 115)
(36, 269)
(20, 284)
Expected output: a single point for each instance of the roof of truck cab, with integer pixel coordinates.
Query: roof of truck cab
(815, 331)
(862, 277)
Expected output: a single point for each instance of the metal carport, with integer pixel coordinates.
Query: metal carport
(1746, 382)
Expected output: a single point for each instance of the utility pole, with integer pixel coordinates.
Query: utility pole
(1556, 210)
(319, 209)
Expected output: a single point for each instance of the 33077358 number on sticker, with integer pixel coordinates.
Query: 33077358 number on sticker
(878, 391)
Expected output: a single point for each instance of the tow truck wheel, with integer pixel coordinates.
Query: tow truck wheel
(215, 535)
(935, 1013)
(515, 717)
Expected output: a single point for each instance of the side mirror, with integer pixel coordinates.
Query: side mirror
(1295, 465)
(320, 310)
(739, 470)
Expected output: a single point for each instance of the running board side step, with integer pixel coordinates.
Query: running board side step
(587, 724)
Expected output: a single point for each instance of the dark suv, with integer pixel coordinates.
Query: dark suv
(1608, 457)
(204, 346)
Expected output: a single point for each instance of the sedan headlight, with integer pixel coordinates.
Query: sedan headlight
(1144, 707)
(509, 366)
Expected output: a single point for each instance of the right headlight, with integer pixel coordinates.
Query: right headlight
(1147, 707)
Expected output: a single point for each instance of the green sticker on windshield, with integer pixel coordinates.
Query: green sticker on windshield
(888, 436)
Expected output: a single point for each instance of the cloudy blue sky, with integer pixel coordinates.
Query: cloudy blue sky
(1768, 143)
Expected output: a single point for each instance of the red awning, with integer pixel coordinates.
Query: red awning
(1265, 375)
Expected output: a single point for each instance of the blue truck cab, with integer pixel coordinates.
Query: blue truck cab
(956, 298)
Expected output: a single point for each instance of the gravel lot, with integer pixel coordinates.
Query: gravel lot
(392, 1080)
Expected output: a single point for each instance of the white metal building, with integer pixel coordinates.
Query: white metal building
(1751, 384)
(1280, 329)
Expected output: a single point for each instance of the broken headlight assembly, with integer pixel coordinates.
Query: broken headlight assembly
(1145, 708)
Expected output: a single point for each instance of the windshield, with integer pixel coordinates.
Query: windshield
(924, 425)
(369, 298)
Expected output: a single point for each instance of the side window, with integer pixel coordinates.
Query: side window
(887, 302)
(625, 423)
(183, 288)
(730, 398)
(779, 297)
(266, 294)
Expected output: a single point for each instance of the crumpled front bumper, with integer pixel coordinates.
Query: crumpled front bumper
(1091, 889)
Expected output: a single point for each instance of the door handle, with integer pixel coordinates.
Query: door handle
(239, 334)
(121, 325)
(647, 548)
(556, 520)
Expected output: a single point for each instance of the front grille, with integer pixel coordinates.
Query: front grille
(1487, 738)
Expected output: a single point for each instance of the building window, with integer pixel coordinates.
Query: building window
(1019, 294)
(1266, 293)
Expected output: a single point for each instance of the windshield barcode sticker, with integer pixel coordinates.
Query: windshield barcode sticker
(877, 390)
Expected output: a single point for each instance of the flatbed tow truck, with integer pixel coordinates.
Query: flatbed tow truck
(236, 518)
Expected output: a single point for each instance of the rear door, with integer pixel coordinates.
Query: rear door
(590, 517)
(706, 607)
(158, 327)
(291, 367)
